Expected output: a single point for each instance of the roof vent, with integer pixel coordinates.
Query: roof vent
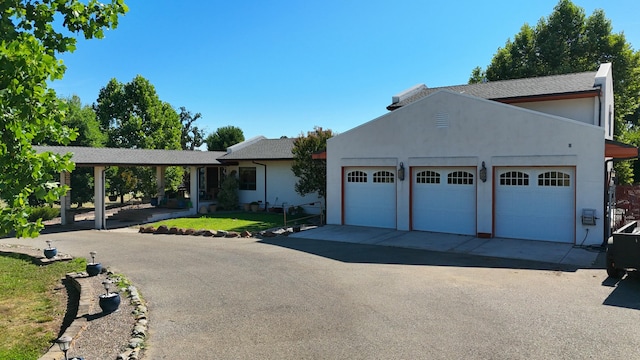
(407, 93)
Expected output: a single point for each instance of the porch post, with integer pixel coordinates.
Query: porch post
(65, 201)
(98, 195)
(194, 193)
(160, 174)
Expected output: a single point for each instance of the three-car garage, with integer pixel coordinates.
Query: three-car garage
(534, 203)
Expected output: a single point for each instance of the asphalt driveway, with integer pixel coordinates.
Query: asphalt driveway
(286, 298)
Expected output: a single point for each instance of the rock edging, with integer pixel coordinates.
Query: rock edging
(165, 230)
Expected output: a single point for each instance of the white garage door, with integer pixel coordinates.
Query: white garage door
(444, 200)
(370, 197)
(535, 203)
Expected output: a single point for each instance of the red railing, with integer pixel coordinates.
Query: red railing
(627, 205)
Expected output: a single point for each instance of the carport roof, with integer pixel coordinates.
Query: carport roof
(517, 89)
(88, 156)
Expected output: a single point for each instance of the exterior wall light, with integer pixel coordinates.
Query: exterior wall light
(483, 173)
(401, 172)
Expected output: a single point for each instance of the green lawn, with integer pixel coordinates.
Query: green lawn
(31, 311)
(235, 221)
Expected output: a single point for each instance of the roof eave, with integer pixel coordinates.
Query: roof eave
(549, 97)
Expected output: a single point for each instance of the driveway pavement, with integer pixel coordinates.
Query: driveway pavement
(295, 298)
(544, 251)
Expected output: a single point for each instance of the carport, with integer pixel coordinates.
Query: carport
(102, 158)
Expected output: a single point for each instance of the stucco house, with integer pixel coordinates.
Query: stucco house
(263, 167)
(520, 159)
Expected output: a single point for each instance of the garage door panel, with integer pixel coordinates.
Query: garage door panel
(369, 203)
(535, 203)
(440, 206)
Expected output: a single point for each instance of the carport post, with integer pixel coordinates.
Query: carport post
(65, 201)
(194, 193)
(160, 173)
(98, 195)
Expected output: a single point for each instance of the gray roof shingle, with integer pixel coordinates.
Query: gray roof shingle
(517, 88)
(265, 149)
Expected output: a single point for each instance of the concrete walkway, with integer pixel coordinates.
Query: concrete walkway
(561, 254)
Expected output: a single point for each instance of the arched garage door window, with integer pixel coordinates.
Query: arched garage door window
(357, 177)
(554, 178)
(383, 177)
(460, 178)
(514, 178)
(428, 177)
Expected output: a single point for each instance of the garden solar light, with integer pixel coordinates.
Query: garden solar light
(64, 342)
(93, 256)
(107, 285)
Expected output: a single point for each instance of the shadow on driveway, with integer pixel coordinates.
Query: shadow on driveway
(376, 254)
(626, 292)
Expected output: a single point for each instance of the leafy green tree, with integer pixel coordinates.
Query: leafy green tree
(192, 137)
(566, 42)
(311, 173)
(30, 112)
(133, 116)
(82, 118)
(224, 137)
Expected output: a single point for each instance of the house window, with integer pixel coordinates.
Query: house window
(383, 177)
(428, 177)
(247, 178)
(460, 178)
(554, 178)
(514, 178)
(357, 176)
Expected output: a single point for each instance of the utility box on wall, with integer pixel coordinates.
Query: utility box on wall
(589, 217)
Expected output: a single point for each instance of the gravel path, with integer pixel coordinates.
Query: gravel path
(106, 336)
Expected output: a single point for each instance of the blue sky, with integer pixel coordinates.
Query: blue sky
(280, 67)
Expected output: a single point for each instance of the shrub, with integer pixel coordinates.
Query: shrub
(228, 195)
(43, 212)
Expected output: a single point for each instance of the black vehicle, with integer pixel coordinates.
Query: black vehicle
(623, 250)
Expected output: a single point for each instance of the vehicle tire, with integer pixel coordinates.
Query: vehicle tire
(613, 271)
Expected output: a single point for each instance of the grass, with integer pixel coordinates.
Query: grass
(236, 221)
(32, 304)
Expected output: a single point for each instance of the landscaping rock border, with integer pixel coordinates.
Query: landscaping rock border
(165, 230)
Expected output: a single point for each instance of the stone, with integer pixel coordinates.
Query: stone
(208, 233)
(220, 233)
(246, 234)
(173, 230)
(140, 330)
(268, 234)
(135, 342)
(147, 230)
(162, 229)
(125, 355)
(232, 234)
(189, 231)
